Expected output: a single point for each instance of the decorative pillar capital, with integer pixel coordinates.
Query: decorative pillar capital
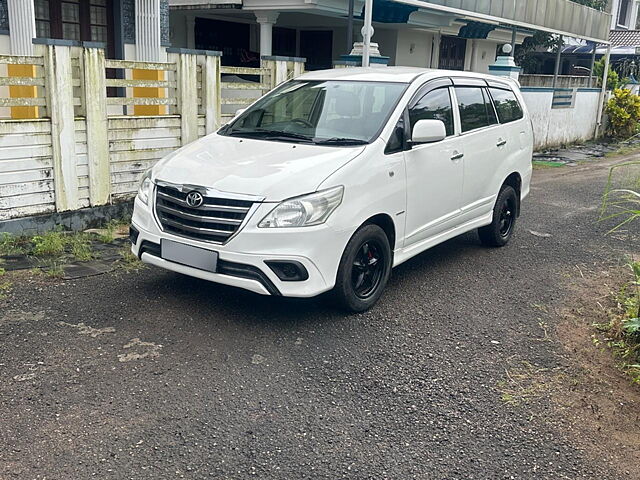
(266, 16)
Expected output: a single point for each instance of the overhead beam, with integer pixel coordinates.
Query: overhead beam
(602, 19)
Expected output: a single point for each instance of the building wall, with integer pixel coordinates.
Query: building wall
(413, 48)
(561, 126)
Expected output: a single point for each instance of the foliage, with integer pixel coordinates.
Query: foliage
(524, 53)
(621, 203)
(597, 4)
(623, 110)
(613, 79)
(623, 331)
(10, 244)
(49, 244)
(80, 245)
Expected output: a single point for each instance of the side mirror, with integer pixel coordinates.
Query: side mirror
(428, 131)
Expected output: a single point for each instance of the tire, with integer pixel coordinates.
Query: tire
(505, 213)
(360, 281)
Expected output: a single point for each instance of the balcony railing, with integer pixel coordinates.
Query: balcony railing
(556, 16)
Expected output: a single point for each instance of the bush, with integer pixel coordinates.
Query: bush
(613, 79)
(623, 110)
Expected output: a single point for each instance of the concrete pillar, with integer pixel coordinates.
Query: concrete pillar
(435, 51)
(59, 81)
(266, 20)
(22, 28)
(473, 62)
(148, 50)
(95, 101)
(556, 70)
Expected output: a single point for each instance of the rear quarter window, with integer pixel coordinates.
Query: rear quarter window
(507, 105)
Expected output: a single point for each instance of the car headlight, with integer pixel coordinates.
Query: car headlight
(144, 190)
(305, 211)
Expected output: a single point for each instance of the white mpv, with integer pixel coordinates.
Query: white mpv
(333, 178)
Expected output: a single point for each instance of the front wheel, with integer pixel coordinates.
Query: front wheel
(505, 212)
(364, 269)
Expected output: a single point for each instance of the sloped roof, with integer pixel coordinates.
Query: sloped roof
(625, 38)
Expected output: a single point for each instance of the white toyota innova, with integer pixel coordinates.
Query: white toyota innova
(332, 179)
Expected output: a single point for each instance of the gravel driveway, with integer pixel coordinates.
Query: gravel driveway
(150, 374)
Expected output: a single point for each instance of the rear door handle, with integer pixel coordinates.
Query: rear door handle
(457, 156)
(501, 143)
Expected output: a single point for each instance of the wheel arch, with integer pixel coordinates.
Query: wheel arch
(515, 180)
(386, 223)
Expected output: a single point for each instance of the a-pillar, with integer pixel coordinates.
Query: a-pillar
(148, 50)
(22, 25)
(266, 20)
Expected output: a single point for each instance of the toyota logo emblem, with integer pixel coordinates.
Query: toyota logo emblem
(194, 199)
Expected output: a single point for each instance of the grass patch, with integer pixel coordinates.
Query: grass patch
(49, 244)
(622, 333)
(11, 244)
(129, 261)
(543, 164)
(5, 286)
(80, 245)
(54, 271)
(525, 382)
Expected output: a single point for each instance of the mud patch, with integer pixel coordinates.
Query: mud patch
(87, 330)
(13, 317)
(142, 350)
(599, 403)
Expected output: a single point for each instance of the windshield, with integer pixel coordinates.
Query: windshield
(321, 112)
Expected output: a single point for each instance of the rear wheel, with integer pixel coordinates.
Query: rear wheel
(505, 213)
(364, 269)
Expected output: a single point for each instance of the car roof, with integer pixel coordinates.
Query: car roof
(394, 74)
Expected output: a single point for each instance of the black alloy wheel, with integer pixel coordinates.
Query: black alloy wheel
(505, 213)
(368, 267)
(364, 269)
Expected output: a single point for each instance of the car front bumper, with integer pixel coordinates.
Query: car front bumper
(242, 259)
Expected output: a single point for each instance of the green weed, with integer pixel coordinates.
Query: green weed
(49, 244)
(80, 245)
(622, 332)
(11, 244)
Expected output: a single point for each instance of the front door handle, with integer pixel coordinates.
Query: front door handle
(457, 156)
(501, 143)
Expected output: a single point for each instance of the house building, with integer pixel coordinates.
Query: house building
(624, 14)
(129, 30)
(451, 34)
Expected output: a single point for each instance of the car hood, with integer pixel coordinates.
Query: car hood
(269, 169)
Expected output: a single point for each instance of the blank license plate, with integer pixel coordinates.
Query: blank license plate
(190, 256)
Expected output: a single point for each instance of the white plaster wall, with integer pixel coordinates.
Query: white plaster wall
(558, 126)
(413, 48)
(387, 41)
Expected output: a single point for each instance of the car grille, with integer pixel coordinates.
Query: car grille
(215, 220)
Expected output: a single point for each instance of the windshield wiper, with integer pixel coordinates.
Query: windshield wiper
(271, 135)
(339, 141)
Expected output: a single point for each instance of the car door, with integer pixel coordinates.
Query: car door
(483, 140)
(434, 170)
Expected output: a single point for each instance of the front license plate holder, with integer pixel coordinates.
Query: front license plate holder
(189, 255)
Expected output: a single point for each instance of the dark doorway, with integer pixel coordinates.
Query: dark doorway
(452, 53)
(317, 47)
(230, 38)
(284, 41)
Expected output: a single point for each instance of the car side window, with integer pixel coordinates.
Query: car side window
(507, 105)
(491, 112)
(435, 105)
(475, 107)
